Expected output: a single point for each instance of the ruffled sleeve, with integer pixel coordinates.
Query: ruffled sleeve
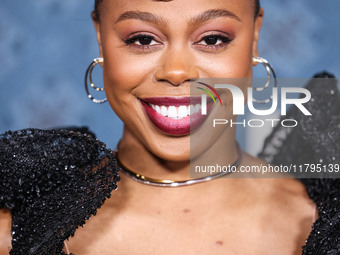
(52, 181)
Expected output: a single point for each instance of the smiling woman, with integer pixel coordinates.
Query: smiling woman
(213, 40)
(151, 52)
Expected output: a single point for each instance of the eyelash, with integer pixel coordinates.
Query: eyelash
(135, 38)
(225, 40)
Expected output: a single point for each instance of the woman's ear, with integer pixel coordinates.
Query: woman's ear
(257, 28)
(96, 24)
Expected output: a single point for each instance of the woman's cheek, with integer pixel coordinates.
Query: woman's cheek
(234, 62)
(229, 66)
(125, 72)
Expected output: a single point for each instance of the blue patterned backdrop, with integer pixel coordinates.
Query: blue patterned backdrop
(46, 45)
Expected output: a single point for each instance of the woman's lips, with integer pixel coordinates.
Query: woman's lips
(175, 115)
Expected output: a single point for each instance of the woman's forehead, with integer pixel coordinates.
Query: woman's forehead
(169, 8)
(255, 3)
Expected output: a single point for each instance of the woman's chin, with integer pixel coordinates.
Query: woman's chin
(172, 151)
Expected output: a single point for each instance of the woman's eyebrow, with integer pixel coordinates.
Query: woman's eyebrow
(213, 14)
(200, 18)
(143, 16)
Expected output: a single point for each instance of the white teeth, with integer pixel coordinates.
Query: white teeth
(175, 112)
(157, 109)
(182, 111)
(197, 107)
(192, 109)
(172, 112)
(164, 111)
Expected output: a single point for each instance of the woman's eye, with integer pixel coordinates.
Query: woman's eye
(214, 40)
(141, 40)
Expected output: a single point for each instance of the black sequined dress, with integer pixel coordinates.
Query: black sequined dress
(53, 180)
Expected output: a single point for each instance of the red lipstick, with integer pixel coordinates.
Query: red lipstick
(175, 116)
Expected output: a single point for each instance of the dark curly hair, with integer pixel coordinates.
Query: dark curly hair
(97, 3)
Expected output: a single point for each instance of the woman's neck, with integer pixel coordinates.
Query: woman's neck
(135, 156)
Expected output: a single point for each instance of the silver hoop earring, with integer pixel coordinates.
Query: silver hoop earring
(88, 76)
(270, 71)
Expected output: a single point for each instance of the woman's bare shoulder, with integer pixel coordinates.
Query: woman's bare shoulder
(276, 183)
(5, 231)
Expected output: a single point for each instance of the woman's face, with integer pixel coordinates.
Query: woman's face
(152, 49)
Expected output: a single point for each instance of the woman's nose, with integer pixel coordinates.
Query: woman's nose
(176, 68)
